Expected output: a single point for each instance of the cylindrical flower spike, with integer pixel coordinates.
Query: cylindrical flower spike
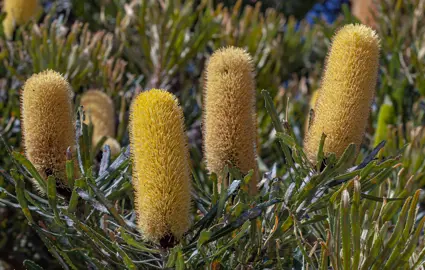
(161, 172)
(229, 110)
(99, 109)
(48, 123)
(18, 12)
(347, 91)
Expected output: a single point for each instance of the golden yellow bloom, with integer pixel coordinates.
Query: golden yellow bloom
(161, 173)
(100, 111)
(18, 12)
(347, 91)
(47, 122)
(229, 107)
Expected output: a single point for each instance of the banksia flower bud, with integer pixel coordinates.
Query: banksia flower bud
(161, 173)
(8, 27)
(47, 123)
(99, 109)
(18, 12)
(229, 107)
(346, 93)
(386, 117)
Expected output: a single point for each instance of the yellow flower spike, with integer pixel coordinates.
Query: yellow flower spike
(229, 107)
(100, 111)
(19, 12)
(347, 91)
(161, 172)
(48, 123)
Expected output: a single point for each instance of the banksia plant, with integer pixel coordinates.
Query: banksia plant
(47, 123)
(161, 173)
(18, 12)
(347, 91)
(99, 109)
(229, 107)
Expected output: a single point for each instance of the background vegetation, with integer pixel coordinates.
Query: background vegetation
(370, 214)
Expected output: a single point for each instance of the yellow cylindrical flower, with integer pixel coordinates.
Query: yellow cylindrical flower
(47, 123)
(100, 111)
(229, 107)
(18, 12)
(347, 91)
(161, 172)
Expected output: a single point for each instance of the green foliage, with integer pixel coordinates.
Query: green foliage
(84, 57)
(165, 39)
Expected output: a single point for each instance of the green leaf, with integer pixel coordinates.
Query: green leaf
(420, 260)
(346, 229)
(204, 237)
(347, 158)
(70, 173)
(223, 192)
(20, 189)
(30, 265)
(73, 201)
(214, 181)
(320, 153)
(108, 205)
(277, 124)
(411, 245)
(180, 265)
(127, 261)
(52, 198)
(356, 224)
(239, 235)
(31, 169)
(137, 244)
(171, 262)
(394, 239)
(378, 242)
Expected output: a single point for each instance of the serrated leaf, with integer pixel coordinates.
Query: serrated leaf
(31, 169)
(30, 265)
(19, 187)
(132, 242)
(52, 198)
(204, 237)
